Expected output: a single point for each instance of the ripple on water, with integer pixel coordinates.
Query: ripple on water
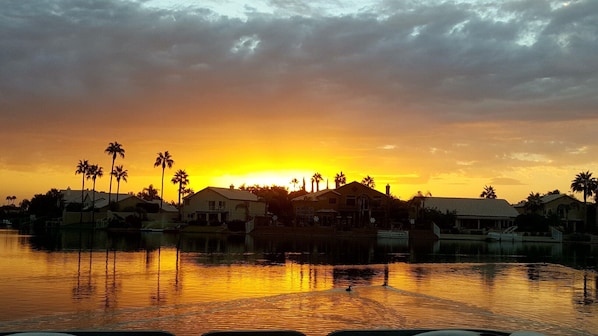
(313, 313)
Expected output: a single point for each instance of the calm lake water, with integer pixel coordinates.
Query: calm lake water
(191, 284)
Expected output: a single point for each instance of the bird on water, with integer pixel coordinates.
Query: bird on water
(348, 288)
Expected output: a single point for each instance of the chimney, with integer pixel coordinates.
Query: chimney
(232, 186)
(388, 190)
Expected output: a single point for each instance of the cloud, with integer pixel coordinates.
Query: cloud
(446, 85)
(426, 55)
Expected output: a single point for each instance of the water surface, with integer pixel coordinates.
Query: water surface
(192, 284)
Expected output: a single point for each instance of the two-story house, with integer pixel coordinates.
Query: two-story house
(352, 205)
(221, 205)
(568, 209)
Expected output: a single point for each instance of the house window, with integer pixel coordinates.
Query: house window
(332, 201)
(211, 205)
(221, 204)
(351, 200)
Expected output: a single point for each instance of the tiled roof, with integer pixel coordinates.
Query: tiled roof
(547, 199)
(234, 194)
(314, 196)
(472, 207)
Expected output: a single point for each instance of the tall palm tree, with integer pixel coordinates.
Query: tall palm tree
(120, 174)
(182, 179)
(164, 160)
(489, 192)
(340, 179)
(93, 172)
(82, 168)
(114, 149)
(584, 182)
(317, 178)
(368, 181)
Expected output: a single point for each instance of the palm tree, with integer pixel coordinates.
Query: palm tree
(488, 192)
(114, 149)
(182, 178)
(121, 174)
(533, 203)
(317, 178)
(163, 159)
(187, 191)
(149, 193)
(82, 168)
(368, 181)
(584, 182)
(93, 172)
(340, 179)
(294, 182)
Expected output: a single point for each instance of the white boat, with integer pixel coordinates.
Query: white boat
(396, 234)
(507, 234)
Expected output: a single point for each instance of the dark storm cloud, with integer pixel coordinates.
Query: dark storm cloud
(455, 61)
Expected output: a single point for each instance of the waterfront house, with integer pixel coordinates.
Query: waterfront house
(474, 214)
(213, 205)
(352, 205)
(568, 209)
(318, 208)
(127, 204)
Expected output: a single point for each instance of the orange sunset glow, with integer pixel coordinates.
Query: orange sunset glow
(445, 98)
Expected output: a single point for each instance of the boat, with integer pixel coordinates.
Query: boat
(151, 230)
(507, 234)
(396, 234)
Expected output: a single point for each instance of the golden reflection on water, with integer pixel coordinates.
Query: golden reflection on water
(178, 291)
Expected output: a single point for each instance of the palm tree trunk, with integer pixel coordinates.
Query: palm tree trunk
(110, 188)
(82, 195)
(93, 204)
(180, 191)
(117, 189)
(162, 189)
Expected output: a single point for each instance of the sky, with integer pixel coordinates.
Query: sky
(435, 96)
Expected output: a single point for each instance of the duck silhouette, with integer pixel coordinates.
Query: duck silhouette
(348, 288)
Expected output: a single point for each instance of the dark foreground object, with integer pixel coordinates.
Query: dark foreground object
(381, 332)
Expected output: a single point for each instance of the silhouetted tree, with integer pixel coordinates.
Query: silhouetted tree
(164, 160)
(149, 193)
(340, 179)
(82, 168)
(277, 198)
(93, 172)
(121, 174)
(182, 179)
(187, 191)
(533, 203)
(317, 178)
(488, 192)
(114, 149)
(294, 182)
(585, 183)
(10, 200)
(24, 205)
(368, 181)
(49, 205)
